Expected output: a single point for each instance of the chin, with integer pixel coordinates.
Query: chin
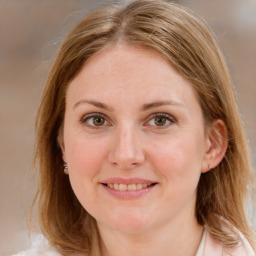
(130, 223)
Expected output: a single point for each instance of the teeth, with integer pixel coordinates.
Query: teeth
(139, 186)
(122, 187)
(144, 185)
(130, 187)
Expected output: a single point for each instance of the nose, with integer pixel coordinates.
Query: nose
(126, 151)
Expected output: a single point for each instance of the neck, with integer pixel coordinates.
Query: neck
(180, 238)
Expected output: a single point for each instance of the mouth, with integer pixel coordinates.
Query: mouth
(128, 187)
(131, 188)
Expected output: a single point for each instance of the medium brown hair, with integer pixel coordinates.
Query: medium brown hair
(187, 43)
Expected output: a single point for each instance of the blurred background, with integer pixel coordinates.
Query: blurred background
(30, 34)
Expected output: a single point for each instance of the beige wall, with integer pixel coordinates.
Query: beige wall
(30, 32)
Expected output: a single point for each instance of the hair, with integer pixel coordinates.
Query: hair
(185, 40)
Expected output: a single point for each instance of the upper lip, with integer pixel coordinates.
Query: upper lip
(126, 181)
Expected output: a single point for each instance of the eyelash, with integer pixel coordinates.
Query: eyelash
(85, 119)
(167, 117)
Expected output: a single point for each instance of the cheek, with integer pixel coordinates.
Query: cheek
(85, 159)
(85, 164)
(179, 160)
(85, 155)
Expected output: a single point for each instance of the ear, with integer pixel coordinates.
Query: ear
(215, 146)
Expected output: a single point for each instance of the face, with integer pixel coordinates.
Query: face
(134, 140)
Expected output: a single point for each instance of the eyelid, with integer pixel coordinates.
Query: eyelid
(169, 117)
(85, 117)
(162, 114)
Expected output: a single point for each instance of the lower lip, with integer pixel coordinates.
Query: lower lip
(128, 194)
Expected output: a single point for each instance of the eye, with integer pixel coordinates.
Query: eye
(94, 120)
(161, 120)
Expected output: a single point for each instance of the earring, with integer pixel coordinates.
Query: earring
(209, 167)
(65, 165)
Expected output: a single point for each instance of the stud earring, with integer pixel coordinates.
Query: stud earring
(65, 165)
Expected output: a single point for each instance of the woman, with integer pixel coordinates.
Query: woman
(139, 142)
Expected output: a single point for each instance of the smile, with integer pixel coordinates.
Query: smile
(129, 187)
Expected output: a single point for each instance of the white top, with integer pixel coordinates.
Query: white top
(200, 250)
(39, 246)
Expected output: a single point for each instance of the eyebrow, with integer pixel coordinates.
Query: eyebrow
(161, 103)
(94, 103)
(143, 108)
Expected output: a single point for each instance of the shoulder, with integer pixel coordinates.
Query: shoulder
(215, 248)
(39, 246)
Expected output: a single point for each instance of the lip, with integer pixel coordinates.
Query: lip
(127, 181)
(127, 194)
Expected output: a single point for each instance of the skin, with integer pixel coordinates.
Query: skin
(131, 142)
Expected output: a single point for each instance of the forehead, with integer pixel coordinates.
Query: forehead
(137, 72)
